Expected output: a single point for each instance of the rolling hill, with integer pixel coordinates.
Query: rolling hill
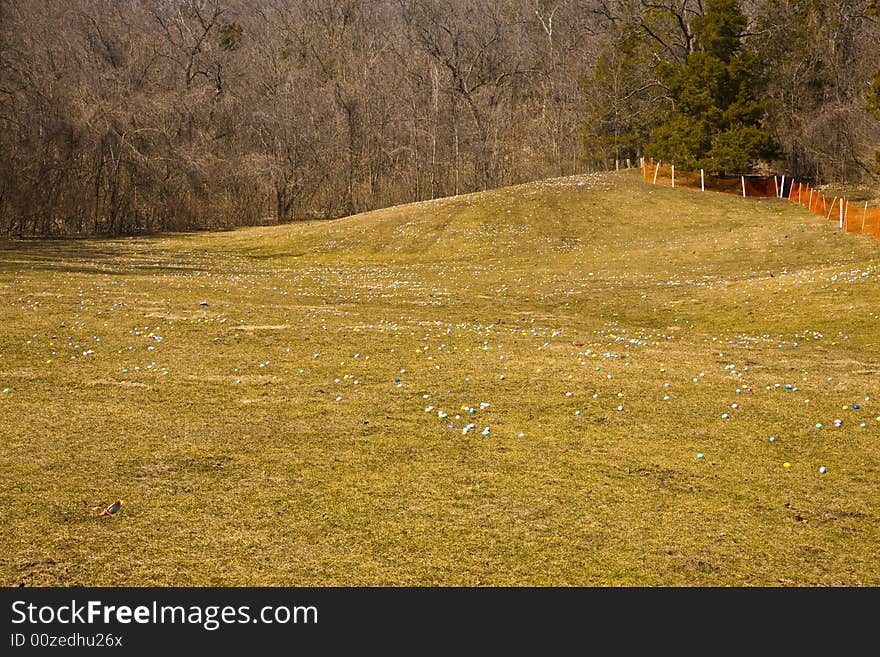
(580, 381)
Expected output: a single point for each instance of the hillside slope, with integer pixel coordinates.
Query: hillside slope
(291, 405)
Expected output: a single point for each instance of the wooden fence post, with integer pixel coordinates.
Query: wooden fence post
(831, 209)
(656, 171)
(864, 217)
(673, 176)
(776, 184)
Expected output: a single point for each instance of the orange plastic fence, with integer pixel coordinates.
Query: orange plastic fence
(853, 218)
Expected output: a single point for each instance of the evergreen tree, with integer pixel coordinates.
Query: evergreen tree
(619, 98)
(716, 117)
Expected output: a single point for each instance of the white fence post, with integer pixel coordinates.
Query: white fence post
(841, 212)
(673, 176)
(702, 181)
(656, 171)
(782, 187)
(743, 178)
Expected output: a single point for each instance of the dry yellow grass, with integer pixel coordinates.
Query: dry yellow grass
(288, 432)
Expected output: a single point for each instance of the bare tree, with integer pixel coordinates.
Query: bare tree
(124, 117)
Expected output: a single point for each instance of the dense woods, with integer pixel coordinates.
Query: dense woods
(122, 116)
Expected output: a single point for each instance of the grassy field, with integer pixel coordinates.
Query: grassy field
(289, 405)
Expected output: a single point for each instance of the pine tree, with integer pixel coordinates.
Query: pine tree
(619, 99)
(716, 117)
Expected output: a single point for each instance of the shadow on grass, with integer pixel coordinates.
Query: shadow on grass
(114, 257)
